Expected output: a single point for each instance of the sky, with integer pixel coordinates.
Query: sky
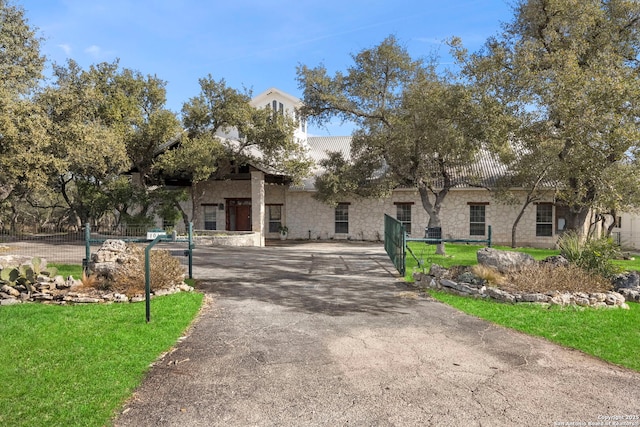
(253, 44)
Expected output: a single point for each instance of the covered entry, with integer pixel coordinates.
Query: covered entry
(238, 215)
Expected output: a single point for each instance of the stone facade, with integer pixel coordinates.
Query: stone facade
(308, 218)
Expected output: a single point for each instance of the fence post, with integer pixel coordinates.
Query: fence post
(191, 250)
(87, 248)
(147, 275)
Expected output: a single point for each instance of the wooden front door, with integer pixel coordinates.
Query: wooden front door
(239, 214)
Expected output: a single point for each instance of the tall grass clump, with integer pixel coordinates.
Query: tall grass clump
(594, 255)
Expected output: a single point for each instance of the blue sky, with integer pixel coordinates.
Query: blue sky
(255, 44)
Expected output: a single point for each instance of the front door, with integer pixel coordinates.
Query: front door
(239, 214)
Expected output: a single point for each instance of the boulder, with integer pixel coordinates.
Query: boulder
(504, 261)
(555, 261)
(438, 271)
(627, 280)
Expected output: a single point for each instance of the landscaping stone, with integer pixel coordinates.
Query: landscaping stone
(582, 299)
(504, 261)
(627, 280)
(555, 261)
(499, 295)
(460, 287)
(630, 294)
(10, 290)
(438, 271)
(536, 297)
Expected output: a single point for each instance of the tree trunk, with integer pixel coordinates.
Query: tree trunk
(433, 210)
(514, 228)
(577, 219)
(197, 193)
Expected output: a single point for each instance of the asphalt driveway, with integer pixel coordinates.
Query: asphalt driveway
(326, 334)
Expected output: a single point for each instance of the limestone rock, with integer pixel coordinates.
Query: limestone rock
(10, 290)
(438, 271)
(460, 287)
(540, 298)
(499, 295)
(504, 261)
(627, 280)
(555, 261)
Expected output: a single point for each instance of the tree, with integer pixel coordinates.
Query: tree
(415, 129)
(210, 147)
(568, 72)
(83, 137)
(23, 140)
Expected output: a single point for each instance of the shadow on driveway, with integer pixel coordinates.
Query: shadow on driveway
(333, 279)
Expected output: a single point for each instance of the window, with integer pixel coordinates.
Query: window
(210, 216)
(342, 218)
(477, 220)
(403, 214)
(618, 223)
(544, 220)
(274, 218)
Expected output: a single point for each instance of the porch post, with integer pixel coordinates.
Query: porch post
(257, 204)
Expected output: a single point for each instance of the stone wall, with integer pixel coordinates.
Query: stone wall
(228, 238)
(308, 218)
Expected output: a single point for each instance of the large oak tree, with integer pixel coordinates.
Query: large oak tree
(568, 72)
(414, 128)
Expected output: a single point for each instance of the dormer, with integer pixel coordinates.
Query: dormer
(283, 103)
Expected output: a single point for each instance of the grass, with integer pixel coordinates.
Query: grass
(76, 365)
(609, 334)
(66, 270)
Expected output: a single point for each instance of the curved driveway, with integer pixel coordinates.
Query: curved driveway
(306, 334)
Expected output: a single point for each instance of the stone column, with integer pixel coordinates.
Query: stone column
(257, 204)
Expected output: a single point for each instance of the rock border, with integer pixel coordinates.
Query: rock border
(626, 286)
(59, 291)
(611, 299)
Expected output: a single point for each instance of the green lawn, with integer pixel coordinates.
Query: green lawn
(77, 365)
(609, 334)
(66, 270)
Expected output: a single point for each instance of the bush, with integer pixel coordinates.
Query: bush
(545, 278)
(595, 255)
(166, 271)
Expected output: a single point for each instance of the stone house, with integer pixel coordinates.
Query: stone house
(256, 200)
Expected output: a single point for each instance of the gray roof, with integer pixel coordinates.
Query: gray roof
(484, 172)
(319, 146)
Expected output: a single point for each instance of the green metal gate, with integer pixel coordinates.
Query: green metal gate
(395, 242)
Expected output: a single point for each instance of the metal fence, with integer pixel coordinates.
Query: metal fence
(71, 247)
(395, 242)
(56, 246)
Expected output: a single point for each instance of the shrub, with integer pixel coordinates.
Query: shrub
(166, 271)
(546, 278)
(488, 274)
(595, 255)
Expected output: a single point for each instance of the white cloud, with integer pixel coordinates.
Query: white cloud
(94, 51)
(67, 49)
